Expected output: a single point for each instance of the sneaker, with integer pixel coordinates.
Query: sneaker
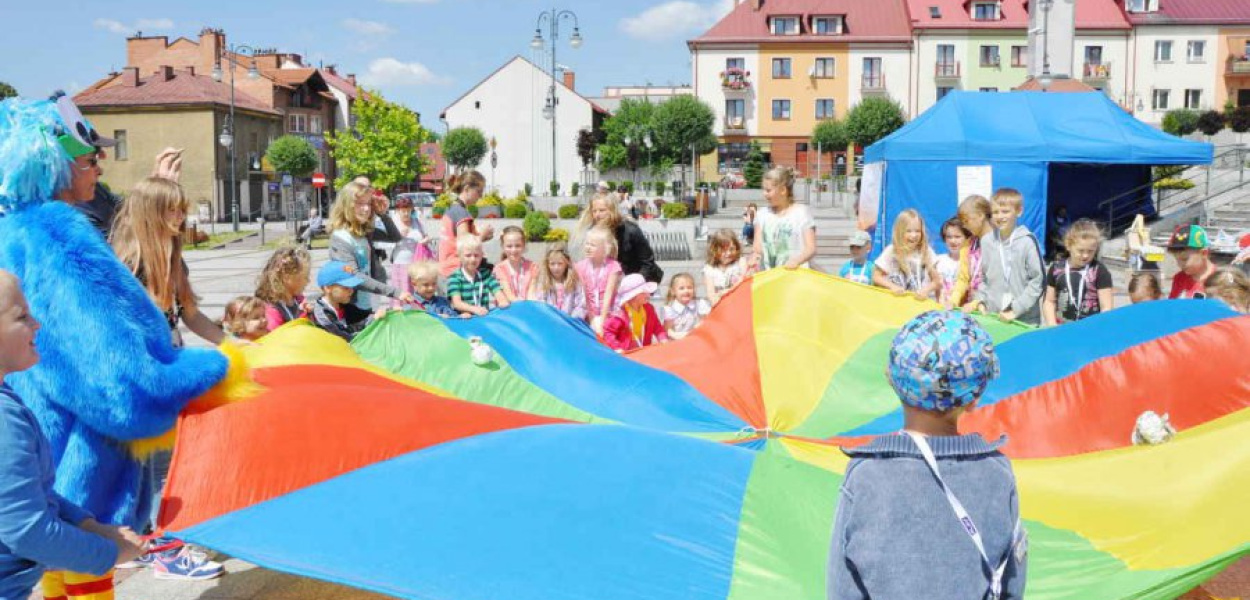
(138, 563)
(186, 564)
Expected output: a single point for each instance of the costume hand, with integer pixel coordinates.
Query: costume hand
(168, 164)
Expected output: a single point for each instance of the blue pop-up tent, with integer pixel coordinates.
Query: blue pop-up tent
(1075, 150)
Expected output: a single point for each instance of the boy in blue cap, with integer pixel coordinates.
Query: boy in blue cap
(929, 513)
(337, 281)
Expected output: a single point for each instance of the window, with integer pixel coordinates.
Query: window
(824, 108)
(827, 25)
(943, 91)
(946, 65)
(735, 63)
(1193, 99)
(873, 79)
(1019, 56)
(732, 155)
(781, 68)
(785, 25)
(781, 110)
(735, 113)
(985, 11)
(314, 124)
(989, 56)
(989, 89)
(477, 105)
(1093, 55)
(824, 68)
(1136, 5)
(298, 123)
(121, 151)
(800, 147)
(1163, 51)
(1159, 100)
(1196, 51)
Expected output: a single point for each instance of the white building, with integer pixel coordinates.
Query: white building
(508, 106)
(1176, 67)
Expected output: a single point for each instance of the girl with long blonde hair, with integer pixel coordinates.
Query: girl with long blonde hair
(907, 265)
(351, 241)
(147, 237)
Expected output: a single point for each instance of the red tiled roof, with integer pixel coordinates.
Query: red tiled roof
(182, 89)
(340, 84)
(957, 14)
(438, 167)
(1196, 12)
(290, 77)
(865, 20)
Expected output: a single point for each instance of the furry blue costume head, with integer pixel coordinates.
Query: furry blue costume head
(39, 141)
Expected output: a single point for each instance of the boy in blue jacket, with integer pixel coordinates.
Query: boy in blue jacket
(927, 512)
(37, 526)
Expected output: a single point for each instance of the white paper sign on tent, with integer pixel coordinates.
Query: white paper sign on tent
(974, 180)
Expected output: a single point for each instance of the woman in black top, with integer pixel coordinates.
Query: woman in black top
(632, 248)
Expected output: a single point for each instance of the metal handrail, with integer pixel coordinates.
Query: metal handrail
(1135, 193)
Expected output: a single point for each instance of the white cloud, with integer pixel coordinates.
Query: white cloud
(675, 18)
(373, 28)
(115, 26)
(393, 72)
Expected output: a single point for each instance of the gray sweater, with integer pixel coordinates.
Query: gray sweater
(359, 251)
(895, 536)
(1022, 275)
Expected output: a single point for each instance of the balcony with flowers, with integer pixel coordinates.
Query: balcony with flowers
(735, 80)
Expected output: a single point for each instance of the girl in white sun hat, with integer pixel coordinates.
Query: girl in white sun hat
(634, 323)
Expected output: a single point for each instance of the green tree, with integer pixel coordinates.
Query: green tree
(624, 132)
(830, 135)
(6, 91)
(683, 123)
(464, 147)
(292, 154)
(385, 143)
(753, 168)
(1180, 121)
(873, 119)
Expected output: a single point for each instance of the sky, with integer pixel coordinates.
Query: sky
(421, 53)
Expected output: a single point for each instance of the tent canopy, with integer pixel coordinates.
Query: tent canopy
(1034, 127)
(1071, 150)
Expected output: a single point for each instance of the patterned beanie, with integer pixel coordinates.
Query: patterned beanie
(941, 360)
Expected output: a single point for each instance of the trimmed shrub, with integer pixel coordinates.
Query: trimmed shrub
(674, 210)
(557, 234)
(569, 211)
(536, 226)
(554, 188)
(491, 199)
(1174, 184)
(629, 187)
(515, 210)
(529, 190)
(660, 186)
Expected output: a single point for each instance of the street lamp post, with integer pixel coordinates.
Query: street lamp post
(552, 18)
(227, 131)
(494, 161)
(1046, 79)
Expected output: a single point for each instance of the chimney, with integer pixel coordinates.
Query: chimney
(165, 73)
(191, 70)
(331, 69)
(130, 77)
(569, 78)
(352, 78)
(756, 5)
(211, 43)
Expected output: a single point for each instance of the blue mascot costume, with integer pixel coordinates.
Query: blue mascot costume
(110, 384)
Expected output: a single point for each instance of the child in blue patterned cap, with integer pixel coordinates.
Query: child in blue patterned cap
(929, 513)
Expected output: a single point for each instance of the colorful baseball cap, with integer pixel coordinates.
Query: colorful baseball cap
(1188, 237)
(941, 360)
(338, 273)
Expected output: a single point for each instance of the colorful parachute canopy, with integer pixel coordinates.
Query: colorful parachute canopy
(707, 468)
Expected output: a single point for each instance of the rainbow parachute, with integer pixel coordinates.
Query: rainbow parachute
(707, 468)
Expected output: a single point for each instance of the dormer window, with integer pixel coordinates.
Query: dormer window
(1141, 6)
(828, 25)
(785, 25)
(985, 11)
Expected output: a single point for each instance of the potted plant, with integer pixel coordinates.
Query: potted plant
(490, 206)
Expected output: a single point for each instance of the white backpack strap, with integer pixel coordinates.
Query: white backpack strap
(996, 573)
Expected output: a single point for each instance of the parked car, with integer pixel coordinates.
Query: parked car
(419, 199)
